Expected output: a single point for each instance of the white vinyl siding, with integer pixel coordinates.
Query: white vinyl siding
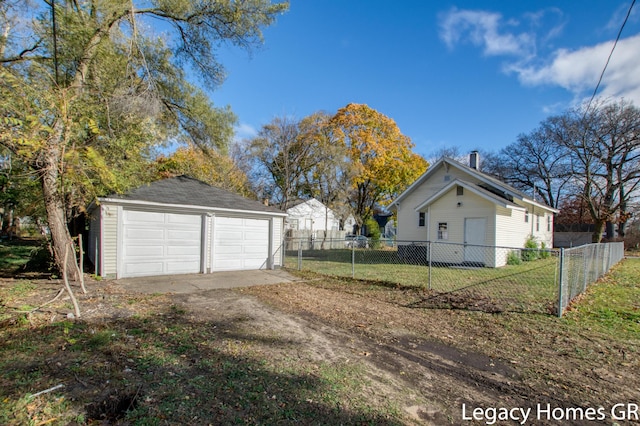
(408, 229)
(445, 209)
(109, 242)
(276, 241)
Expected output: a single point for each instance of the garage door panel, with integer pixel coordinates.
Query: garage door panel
(185, 251)
(230, 238)
(188, 236)
(157, 243)
(135, 216)
(143, 268)
(185, 219)
(231, 221)
(143, 233)
(145, 251)
(240, 243)
(255, 250)
(181, 267)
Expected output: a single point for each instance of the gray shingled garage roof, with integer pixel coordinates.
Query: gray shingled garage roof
(184, 190)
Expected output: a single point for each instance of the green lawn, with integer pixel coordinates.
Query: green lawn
(613, 305)
(15, 254)
(528, 287)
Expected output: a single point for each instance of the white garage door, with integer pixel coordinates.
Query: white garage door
(240, 243)
(156, 243)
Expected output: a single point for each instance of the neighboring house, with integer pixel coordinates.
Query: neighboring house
(349, 225)
(181, 225)
(455, 203)
(311, 215)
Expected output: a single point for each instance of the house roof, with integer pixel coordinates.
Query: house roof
(478, 190)
(490, 182)
(187, 191)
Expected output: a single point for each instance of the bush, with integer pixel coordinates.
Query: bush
(513, 258)
(373, 232)
(544, 253)
(530, 251)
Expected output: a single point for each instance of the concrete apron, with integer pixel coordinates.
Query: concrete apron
(191, 283)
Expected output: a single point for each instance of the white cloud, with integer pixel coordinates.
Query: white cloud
(244, 131)
(575, 70)
(578, 70)
(484, 29)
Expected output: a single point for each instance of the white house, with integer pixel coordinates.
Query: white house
(458, 204)
(181, 225)
(311, 215)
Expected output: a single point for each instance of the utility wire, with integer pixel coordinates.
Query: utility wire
(610, 54)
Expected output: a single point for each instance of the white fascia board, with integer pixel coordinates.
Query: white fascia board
(185, 207)
(542, 206)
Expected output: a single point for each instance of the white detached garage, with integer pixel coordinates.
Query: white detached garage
(181, 225)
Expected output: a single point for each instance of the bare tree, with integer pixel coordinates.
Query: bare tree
(279, 158)
(537, 163)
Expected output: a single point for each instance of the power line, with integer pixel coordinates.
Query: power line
(610, 54)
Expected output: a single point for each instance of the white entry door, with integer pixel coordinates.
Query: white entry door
(157, 243)
(474, 237)
(240, 243)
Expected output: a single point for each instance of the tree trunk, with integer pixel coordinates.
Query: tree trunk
(609, 231)
(60, 237)
(598, 231)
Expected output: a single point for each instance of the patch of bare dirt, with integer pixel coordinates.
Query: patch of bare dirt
(453, 357)
(431, 361)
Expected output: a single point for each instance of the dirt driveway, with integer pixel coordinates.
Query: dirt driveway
(430, 380)
(421, 365)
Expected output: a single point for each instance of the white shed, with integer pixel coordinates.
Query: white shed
(181, 225)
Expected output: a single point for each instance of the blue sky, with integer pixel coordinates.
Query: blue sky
(469, 74)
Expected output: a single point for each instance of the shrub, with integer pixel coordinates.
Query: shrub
(513, 258)
(544, 253)
(530, 251)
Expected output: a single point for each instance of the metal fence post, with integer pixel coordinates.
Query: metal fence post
(585, 267)
(429, 260)
(560, 283)
(300, 255)
(353, 260)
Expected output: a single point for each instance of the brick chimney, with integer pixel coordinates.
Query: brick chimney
(474, 160)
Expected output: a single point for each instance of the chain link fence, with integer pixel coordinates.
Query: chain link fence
(581, 266)
(458, 276)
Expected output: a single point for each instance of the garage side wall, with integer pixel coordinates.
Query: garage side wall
(109, 241)
(277, 241)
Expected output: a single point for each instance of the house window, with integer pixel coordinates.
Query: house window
(537, 223)
(549, 223)
(421, 218)
(459, 190)
(443, 234)
(293, 223)
(526, 216)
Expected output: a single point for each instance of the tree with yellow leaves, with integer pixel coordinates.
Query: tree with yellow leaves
(381, 156)
(213, 168)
